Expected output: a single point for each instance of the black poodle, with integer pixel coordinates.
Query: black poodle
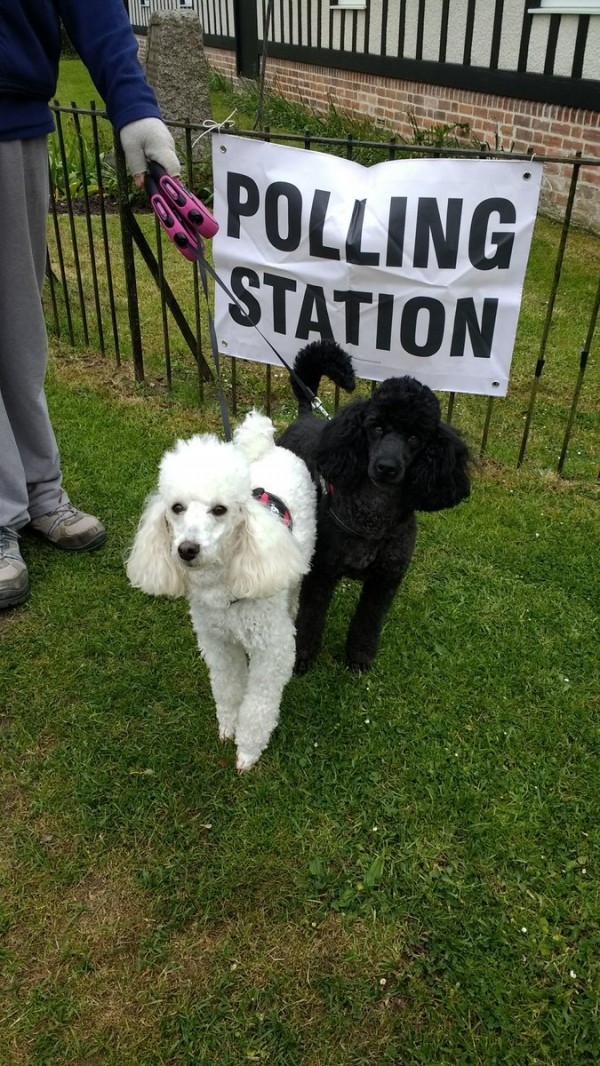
(376, 462)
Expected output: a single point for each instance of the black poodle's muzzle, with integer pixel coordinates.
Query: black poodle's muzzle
(389, 460)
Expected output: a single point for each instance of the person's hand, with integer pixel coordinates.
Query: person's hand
(149, 138)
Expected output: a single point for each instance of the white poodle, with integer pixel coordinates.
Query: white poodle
(232, 527)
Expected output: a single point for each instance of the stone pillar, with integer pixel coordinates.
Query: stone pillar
(177, 70)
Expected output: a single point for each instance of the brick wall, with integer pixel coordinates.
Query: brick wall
(499, 121)
(142, 48)
(222, 61)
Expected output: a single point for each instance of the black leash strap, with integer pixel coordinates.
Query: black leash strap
(202, 265)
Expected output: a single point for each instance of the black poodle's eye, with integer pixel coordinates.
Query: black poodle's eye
(178, 508)
(218, 510)
(377, 431)
(413, 441)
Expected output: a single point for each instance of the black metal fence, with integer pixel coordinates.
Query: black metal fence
(116, 288)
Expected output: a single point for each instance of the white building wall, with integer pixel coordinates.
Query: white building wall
(508, 57)
(219, 19)
(591, 63)
(481, 45)
(432, 32)
(457, 28)
(567, 35)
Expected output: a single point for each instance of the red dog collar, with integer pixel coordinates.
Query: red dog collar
(275, 505)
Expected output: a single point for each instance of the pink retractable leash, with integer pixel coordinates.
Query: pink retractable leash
(184, 218)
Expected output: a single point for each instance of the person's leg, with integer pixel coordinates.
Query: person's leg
(30, 474)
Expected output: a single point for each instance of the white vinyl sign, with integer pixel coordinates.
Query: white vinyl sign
(414, 266)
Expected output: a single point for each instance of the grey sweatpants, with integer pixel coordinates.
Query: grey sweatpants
(30, 473)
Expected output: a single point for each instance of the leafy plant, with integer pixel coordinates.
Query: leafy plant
(283, 114)
(66, 172)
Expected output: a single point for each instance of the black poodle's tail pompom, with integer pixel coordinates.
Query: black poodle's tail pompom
(324, 358)
(439, 476)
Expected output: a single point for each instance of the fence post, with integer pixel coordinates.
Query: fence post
(541, 361)
(129, 262)
(583, 360)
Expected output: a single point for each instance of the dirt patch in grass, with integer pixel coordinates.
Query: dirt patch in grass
(91, 371)
(253, 952)
(116, 386)
(9, 619)
(295, 971)
(81, 944)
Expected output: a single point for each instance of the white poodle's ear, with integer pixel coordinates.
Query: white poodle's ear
(150, 564)
(262, 556)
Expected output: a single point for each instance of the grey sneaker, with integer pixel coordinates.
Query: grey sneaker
(70, 529)
(14, 582)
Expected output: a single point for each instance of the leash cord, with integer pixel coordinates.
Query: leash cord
(202, 265)
(309, 395)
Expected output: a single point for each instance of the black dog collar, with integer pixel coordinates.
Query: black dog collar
(326, 489)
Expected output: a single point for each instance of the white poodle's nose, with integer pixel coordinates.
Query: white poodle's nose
(188, 550)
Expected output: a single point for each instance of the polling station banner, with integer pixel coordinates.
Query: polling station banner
(414, 266)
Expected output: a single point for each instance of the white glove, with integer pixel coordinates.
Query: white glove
(149, 138)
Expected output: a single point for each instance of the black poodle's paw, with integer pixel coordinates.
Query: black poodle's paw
(359, 664)
(303, 665)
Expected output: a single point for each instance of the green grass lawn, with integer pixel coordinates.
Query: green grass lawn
(409, 875)
(75, 85)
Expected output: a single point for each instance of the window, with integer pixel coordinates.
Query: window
(566, 7)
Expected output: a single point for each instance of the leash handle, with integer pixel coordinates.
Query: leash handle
(184, 239)
(193, 213)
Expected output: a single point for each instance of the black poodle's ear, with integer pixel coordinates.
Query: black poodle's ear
(342, 455)
(439, 476)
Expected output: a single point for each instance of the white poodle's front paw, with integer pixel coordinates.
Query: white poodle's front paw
(227, 732)
(245, 761)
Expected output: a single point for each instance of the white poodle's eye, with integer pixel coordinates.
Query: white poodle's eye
(178, 508)
(218, 510)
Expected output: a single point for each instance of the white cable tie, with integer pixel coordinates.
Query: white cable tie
(210, 126)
